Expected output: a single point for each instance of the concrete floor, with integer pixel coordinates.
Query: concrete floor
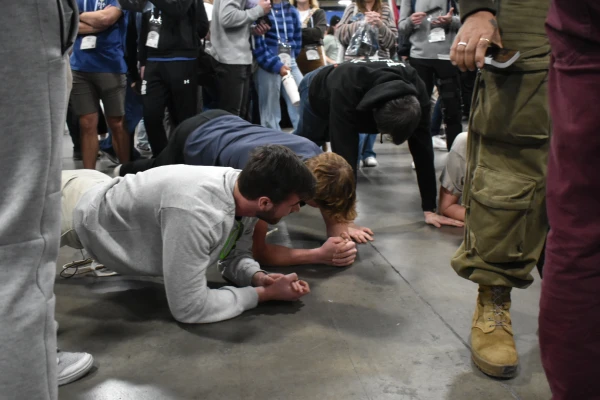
(395, 325)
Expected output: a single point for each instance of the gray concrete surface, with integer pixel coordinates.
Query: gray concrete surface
(395, 325)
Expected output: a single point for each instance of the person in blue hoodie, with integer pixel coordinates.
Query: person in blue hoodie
(276, 54)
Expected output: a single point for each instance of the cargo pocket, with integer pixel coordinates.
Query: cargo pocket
(513, 108)
(498, 210)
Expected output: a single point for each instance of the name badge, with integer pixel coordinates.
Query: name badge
(312, 53)
(88, 42)
(154, 31)
(437, 35)
(152, 40)
(285, 55)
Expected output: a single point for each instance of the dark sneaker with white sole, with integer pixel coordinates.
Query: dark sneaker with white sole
(110, 155)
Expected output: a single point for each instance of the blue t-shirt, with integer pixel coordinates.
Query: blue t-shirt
(227, 141)
(109, 54)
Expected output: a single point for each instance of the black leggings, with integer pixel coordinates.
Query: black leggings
(428, 71)
(174, 152)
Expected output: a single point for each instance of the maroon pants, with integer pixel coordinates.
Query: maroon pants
(570, 304)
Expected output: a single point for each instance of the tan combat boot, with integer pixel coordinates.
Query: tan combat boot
(492, 345)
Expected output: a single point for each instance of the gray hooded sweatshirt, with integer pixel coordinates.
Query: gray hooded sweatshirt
(421, 47)
(173, 221)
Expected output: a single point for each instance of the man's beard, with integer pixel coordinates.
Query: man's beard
(268, 217)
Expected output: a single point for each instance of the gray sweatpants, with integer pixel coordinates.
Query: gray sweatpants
(33, 104)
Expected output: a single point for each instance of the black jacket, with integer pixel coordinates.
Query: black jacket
(346, 96)
(69, 23)
(184, 24)
(315, 30)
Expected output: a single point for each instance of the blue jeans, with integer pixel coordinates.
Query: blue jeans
(436, 117)
(366, 141)
(310, 126)
(142, 135)
(269, 88)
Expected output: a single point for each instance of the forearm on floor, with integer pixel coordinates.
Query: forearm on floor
(334, 228)
(280, 256)
(455, 211)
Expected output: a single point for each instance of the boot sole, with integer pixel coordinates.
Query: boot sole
(495, 370)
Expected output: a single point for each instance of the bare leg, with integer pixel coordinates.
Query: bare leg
(88, 125)
(120, 137)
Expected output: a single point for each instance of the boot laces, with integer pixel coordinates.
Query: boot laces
(499, 314)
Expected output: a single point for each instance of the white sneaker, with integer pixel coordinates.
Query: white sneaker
(439, 143)
(371, 162)
(72, 366)
(360, 164)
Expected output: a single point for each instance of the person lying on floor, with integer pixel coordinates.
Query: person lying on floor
(218, 138)
(453, 180)
(177, 221)
(338, 102)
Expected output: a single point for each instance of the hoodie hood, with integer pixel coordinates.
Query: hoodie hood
(387, 86)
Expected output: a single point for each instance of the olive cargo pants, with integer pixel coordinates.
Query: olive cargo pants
(509, 130)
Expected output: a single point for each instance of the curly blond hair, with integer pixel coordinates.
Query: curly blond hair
(335, 190)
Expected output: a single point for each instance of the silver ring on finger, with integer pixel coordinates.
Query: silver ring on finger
(462, 44)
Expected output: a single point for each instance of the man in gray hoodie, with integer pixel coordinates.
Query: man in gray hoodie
(176, 221)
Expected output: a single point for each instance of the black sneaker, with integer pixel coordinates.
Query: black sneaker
(110, 155)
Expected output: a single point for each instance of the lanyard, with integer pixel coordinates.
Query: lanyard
(234, 236)
(154, 9)
(85, 5)
(277, 26)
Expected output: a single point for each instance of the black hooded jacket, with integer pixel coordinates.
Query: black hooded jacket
(346, 96)
(184, 25)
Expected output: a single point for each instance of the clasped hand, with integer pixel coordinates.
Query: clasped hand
(373, 18)
(338, 251)
(281, 287)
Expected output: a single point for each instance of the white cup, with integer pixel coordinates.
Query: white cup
(291, 89)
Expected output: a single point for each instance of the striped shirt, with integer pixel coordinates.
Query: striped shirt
(388, 34)
(266, 48)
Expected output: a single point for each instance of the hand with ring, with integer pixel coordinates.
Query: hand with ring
(477, 33)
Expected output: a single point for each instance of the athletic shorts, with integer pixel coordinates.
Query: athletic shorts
(91, 87)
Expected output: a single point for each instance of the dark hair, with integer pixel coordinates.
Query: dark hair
(330, 30)
(398, 118)
(276, 172)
